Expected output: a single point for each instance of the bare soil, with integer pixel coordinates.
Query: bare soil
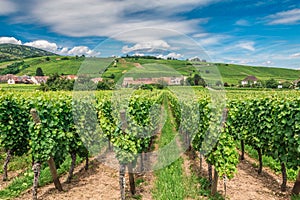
(138, 65)
(101, 182)
(247, 184)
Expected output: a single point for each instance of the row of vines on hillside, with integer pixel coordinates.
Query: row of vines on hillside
(50, 126)
(203, 128)
(130, 125)
(272, 127)
(269, 125)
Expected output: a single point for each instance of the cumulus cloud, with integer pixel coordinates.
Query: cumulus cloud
(171, 55)
(53, 47)
(82, 50)
(149, 46)
(284, 17)
(7, 7)
(43, 44)
(248, 45)
(10, 40)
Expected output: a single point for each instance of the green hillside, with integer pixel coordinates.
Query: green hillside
(141, 67)
(232, 74)
(16, 52)
(235, 73)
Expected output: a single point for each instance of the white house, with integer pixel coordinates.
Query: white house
(11, 81)
(249, 80)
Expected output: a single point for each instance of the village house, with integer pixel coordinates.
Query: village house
(70, 77)
(249, 80)
(13, 79)
(127, 81)
(39, 79)
(97, 80)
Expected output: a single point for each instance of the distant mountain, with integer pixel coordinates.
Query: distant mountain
(10, 52)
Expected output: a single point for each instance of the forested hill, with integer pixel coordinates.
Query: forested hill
(14, 52)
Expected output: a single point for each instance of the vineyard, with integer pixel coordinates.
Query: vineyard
(59, 130)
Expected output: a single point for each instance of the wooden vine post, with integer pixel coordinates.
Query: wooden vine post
(131, 178)
(36, 171)
(214, 186)
(37, 166)
(243, 150)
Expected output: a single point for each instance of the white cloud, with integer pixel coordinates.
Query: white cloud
(82, 50)
(53, 47)
(147, 46)
(7, 7)
(248, 45)
(64, 51)
(242, 22)
(43, 44)
(171, 55)
(10, 40)
(295, 55)
(285, 17)
(109, 18)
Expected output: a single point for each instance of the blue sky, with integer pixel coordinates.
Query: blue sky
(248, 32)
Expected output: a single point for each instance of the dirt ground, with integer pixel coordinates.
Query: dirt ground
(138, 65)
(99, 182)
(247, 184)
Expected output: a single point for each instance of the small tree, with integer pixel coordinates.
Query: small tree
(219, 83)
(271, 83)
(287, 85)
(39, 72)
(103, 85)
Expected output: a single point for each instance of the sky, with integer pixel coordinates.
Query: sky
(247, 32)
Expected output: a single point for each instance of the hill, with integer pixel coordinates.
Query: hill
(142, 67)
(235, 73)
(230, 73)
(15, 52)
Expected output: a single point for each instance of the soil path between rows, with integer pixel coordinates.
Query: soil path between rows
(101, 182)
(247, 184)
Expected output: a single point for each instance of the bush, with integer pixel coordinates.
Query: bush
(271, 83)
(55, 83)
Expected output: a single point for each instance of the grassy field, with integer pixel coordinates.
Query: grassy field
(56, 64)
(18, 87)
(235, 73)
